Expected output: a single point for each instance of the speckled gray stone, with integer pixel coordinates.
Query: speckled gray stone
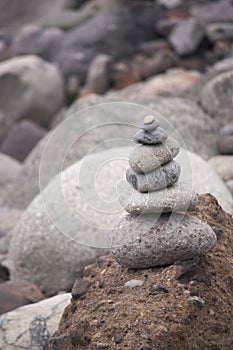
(141, 242)
(153, 137)
(177, 198)
(161, 177)
(146, 158)
(150, 123)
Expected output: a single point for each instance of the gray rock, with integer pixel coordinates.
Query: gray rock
(195, 300)
(216, 97)
(153, 137)
(21, 138)
(223, 165)
(216, 11)
(177, 198)
(30, 324)
(186, 36)
(146, 158)
(183, 114)
(219, 31)
(98, 74)
(31, 88)
(134, 283)
(147, 241)
(9, 169)
(161, 177)
(225, 144)
(150, 123)
(227, 130)
(229, 185)
(33, 40)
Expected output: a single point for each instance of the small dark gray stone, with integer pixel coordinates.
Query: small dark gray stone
(159, 178)
(146, 158)
(80, 287)
(195, 300)
(152, 137)
(158, 288)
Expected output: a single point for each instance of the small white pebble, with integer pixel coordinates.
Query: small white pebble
(134, 283)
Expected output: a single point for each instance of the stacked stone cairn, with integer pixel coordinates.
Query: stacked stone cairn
(157, 231)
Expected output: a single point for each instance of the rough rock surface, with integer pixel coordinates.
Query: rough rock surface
(31, 325)
(31, 88)
(183, 114)
(146, 241)
(151, 316)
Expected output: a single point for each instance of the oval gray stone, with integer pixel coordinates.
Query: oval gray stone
(146, 158)
(150, 123)
(177, 198)
(150, 138)
(145, 241)
(161, 177)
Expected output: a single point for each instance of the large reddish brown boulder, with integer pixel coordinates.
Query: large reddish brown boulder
(185, 306)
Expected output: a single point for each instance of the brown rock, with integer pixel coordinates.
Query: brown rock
(138, 319)
(14, 294)
(80, 287)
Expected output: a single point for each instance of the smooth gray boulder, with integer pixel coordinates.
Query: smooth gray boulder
(31, 325)
(30, 88)
(216, 97)
(40, 253)
(145, 241)
(196, 128)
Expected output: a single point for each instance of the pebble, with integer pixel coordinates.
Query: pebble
(158, 288)
(159, 135)
(80, 287)
(195, 300)
(159, 178)
(146, 158)
(177, 198)
(146, 241)
(150, 123)
(134, 283)
(97, 346)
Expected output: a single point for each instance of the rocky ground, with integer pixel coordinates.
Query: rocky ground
(60, 59)
(184, 306)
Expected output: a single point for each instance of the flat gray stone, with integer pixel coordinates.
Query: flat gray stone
(152, 137)
(29, 325)
(146, 241)
(186, 36)
(146, 158)
(161, 177)
(150, 123)
(176, 198)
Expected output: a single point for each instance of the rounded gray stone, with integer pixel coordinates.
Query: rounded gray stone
(152, 137)
(176, 198)
(145, 241)
(146, 158)
(161, 177)
(150, 123)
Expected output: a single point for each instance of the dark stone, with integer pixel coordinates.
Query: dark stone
(196, 301)
(218, 231)
(101, 261)
(21, 138)
(158, 288)
(73, 308)
(80, 287)
(192, 269)
(225, 144)
(39, 333)
(118, 340)
(159, 135)
(193, 293)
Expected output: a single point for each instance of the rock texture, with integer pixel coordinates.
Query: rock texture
(30, 326)
(163, 240)
(161, 312)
